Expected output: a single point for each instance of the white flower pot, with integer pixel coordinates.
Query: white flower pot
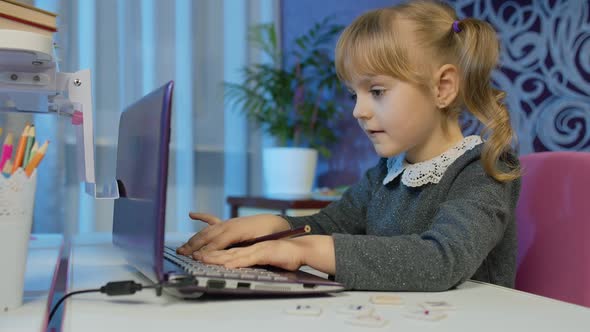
(289, 172)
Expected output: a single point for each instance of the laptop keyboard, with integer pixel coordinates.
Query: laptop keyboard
(197, 268)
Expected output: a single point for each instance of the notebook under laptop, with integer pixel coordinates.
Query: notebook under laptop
(139, 215)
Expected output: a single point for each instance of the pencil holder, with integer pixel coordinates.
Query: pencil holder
(17, 199)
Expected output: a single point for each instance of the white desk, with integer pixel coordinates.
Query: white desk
(479, 307)
(44, 254)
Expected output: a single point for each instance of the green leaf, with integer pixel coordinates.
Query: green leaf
(267, 93)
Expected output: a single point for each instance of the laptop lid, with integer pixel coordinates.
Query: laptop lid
(141, 173)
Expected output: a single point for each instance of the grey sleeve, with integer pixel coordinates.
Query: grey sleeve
(346, 215)
(467, 226)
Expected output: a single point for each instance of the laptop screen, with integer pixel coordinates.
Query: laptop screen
(141, 173)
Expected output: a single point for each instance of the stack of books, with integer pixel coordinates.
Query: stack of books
(15, 15)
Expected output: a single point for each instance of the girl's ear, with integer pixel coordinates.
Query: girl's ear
(446, 81)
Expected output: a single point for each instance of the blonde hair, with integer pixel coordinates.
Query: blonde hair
(374, 45)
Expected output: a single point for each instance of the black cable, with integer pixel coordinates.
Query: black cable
(112, 288)
(65, 297)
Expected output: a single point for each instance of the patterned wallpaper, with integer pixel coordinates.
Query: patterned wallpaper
(544, 68)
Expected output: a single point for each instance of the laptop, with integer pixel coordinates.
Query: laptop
(139, 216)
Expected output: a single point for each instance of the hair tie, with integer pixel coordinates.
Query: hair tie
(456, 27)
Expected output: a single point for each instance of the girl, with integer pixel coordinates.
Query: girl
(438, 208)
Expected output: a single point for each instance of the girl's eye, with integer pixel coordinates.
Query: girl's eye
(377, 92)
(352, 95)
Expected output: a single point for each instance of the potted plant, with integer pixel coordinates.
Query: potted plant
(294, 102)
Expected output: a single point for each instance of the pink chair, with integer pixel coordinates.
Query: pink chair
(553, 219)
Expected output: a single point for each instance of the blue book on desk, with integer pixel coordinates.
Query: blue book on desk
(139, 216)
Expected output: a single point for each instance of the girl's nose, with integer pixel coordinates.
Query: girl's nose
(361, 111)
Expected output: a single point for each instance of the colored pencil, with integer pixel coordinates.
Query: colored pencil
(275, 236)
(6, 150)
(36, 159)
(6, 170)
(30, 141)
(20, 150)
(34, 149)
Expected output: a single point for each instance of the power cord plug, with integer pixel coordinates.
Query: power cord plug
(115, 288)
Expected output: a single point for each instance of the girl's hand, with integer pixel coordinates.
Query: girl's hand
(286, 254)
(218, 234)
(316, 251)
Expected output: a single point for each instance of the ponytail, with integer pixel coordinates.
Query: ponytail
(478, 51)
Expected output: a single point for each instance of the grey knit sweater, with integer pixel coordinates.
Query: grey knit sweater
(429, 238)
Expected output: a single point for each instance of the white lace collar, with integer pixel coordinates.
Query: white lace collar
(429, 171)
